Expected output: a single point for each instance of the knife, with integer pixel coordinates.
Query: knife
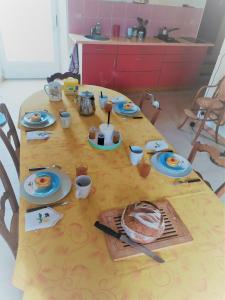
(187, 181)
(160, 151)
(125, 239)
(45, 206)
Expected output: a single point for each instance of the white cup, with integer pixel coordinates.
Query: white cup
(83, 186)
(102, 101)
(65, 119)
(136, 155)
(107, 130)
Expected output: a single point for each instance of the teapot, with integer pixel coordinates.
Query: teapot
(86, 103)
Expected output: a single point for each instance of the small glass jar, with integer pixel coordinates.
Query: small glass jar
(108, 106)
(92, 133)
(101, 139)
(116, 137)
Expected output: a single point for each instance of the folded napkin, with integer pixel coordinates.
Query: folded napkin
(37, 135)
(42, 218)
(156, 146)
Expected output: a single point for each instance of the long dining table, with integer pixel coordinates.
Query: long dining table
(70, 261)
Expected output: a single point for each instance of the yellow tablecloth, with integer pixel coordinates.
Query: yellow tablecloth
(70, 261)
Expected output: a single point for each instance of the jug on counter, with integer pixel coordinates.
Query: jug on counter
(54, 91)
(86, 103)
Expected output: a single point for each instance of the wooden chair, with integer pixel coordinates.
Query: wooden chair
(10, 138)
(62, 76)
(155, 104)
(215, 156)
(205, 109)
(9, 234)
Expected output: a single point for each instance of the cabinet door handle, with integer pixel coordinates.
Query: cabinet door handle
(99, 49)
(114, 63)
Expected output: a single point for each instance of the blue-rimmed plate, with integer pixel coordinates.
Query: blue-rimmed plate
(44, 117)
(31, 188)
(2, 119)
(183, 169)
(63, 191)
(50, 119)
(118, 108)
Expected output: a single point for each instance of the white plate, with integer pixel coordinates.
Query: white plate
(158, 145)
(64, 190)
(168, 171)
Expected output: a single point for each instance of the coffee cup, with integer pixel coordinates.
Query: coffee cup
(83, 186)
(65, 119)
(136, 154)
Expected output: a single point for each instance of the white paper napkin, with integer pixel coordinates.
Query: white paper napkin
(37, 135)
(42, 218)
(156, 146)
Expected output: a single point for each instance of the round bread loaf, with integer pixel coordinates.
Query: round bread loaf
(143, 222)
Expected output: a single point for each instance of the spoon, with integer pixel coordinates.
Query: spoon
(43, 168)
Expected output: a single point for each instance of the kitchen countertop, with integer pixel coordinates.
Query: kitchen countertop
(80, 39)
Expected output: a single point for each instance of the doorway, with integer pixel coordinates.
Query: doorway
(29, 38)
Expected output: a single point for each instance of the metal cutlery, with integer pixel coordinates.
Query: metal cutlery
(43, 168)
(125, 239)
(178, 182)
(160, 151)
(50, 205)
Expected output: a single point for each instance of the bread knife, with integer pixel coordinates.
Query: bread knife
(125, 239)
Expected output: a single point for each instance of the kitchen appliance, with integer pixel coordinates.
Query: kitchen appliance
(86, 103)
(164, 34)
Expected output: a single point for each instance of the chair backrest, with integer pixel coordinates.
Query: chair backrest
(62, 76)
(9, 136)
(220, 91)
(215, 157)
(212, 151)
(155, 104)
(9, 233)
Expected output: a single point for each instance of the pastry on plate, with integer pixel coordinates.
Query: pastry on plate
(143, 222)
(36, 117)
(172, 161)
(128, 106)
(43, 183)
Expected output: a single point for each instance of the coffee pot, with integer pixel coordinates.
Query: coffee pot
(86, 103)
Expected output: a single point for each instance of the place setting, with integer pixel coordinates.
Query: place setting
(36, 120)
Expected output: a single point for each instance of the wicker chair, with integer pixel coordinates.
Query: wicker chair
(155, 104)
(215, 157)
(205, 109)
(10, 138)
(9, 234)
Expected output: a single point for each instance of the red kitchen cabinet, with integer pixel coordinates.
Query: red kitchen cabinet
(132, 80)
(139, 63)
(141, 66)
(99, 63)
(99, 69)
(181, 65)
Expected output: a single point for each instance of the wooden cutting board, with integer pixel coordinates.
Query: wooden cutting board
(175, 231)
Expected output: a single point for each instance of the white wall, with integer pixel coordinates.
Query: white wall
(195, 3)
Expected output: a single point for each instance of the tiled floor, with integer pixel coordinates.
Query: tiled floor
(14, 92)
